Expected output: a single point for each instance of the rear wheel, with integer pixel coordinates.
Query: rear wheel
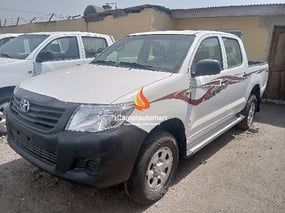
(154, 168)
(249, 113)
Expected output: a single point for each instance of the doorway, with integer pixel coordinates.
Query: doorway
(276, 81)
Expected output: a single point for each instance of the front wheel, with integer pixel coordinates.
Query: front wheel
(249, 113)
(154, 169)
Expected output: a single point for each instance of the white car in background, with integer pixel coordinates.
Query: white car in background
(33, 54)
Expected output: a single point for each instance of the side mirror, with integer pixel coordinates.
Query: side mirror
(44, 56)
(207, 67)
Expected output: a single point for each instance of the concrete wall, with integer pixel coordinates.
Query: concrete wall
(254, 36)
(146, 20)
(121, 26)
(256, 30)
(268, 24)
(67, 25)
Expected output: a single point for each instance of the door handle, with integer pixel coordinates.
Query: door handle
(224, 82)
(245, 75)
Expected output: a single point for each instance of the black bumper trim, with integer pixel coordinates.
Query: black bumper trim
(108, 157)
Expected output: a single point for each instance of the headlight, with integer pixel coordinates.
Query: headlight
(96, 118)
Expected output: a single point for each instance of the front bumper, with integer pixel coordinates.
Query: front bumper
(100, 159)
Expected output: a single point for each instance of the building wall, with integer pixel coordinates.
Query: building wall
(268, 22)
(254, 35)
(67, 25)
(146, 20)
(121, 26)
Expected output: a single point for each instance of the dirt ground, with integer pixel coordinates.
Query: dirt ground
(241, 171)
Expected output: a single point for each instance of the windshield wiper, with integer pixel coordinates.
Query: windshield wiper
(138, 66)
(102, 62)
(6, 55)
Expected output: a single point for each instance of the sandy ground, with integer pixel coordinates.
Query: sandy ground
(241, 171)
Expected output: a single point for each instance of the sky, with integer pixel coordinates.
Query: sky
(41, 10)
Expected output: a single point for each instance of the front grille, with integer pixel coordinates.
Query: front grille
(39, 116)
(27, 143)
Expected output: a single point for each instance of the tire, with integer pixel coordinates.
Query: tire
(3, 110)
(155, 167)
(248, 113)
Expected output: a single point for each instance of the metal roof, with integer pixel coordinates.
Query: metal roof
(209, 12)
(124, 12)
(230, 11)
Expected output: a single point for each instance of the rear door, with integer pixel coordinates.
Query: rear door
(235, 74)
(59, 53)
(93, 46)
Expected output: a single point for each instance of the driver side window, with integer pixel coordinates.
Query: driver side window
(61, 49)
(208, 49)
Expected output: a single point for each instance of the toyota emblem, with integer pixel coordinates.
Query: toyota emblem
(25, 105)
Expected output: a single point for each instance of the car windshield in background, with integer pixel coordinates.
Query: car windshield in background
(5, 40)
(152, 52)
(21, 47)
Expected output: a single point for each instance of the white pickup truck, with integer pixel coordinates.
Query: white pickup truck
(144, 103)
(37, 53)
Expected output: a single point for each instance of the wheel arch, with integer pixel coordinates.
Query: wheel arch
(256, 91)
(176, 128)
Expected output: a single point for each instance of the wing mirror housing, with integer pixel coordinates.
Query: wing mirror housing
(207, 67)
(44, 56)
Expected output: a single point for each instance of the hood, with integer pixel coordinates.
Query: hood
(6, 61)
(91, 83)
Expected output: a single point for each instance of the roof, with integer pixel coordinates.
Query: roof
(124, 12)
(183, 32)
(209, 12)
(55, 33)
(230, 11)
(9, 35)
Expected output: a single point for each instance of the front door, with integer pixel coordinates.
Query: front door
(208, 100)
(58, 54)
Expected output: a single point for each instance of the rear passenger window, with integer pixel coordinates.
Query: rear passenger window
(93, 46)
(209, 49)
(234, 57)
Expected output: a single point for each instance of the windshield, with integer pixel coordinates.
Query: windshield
(152, 52)
(21, 46)
(5, 40)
